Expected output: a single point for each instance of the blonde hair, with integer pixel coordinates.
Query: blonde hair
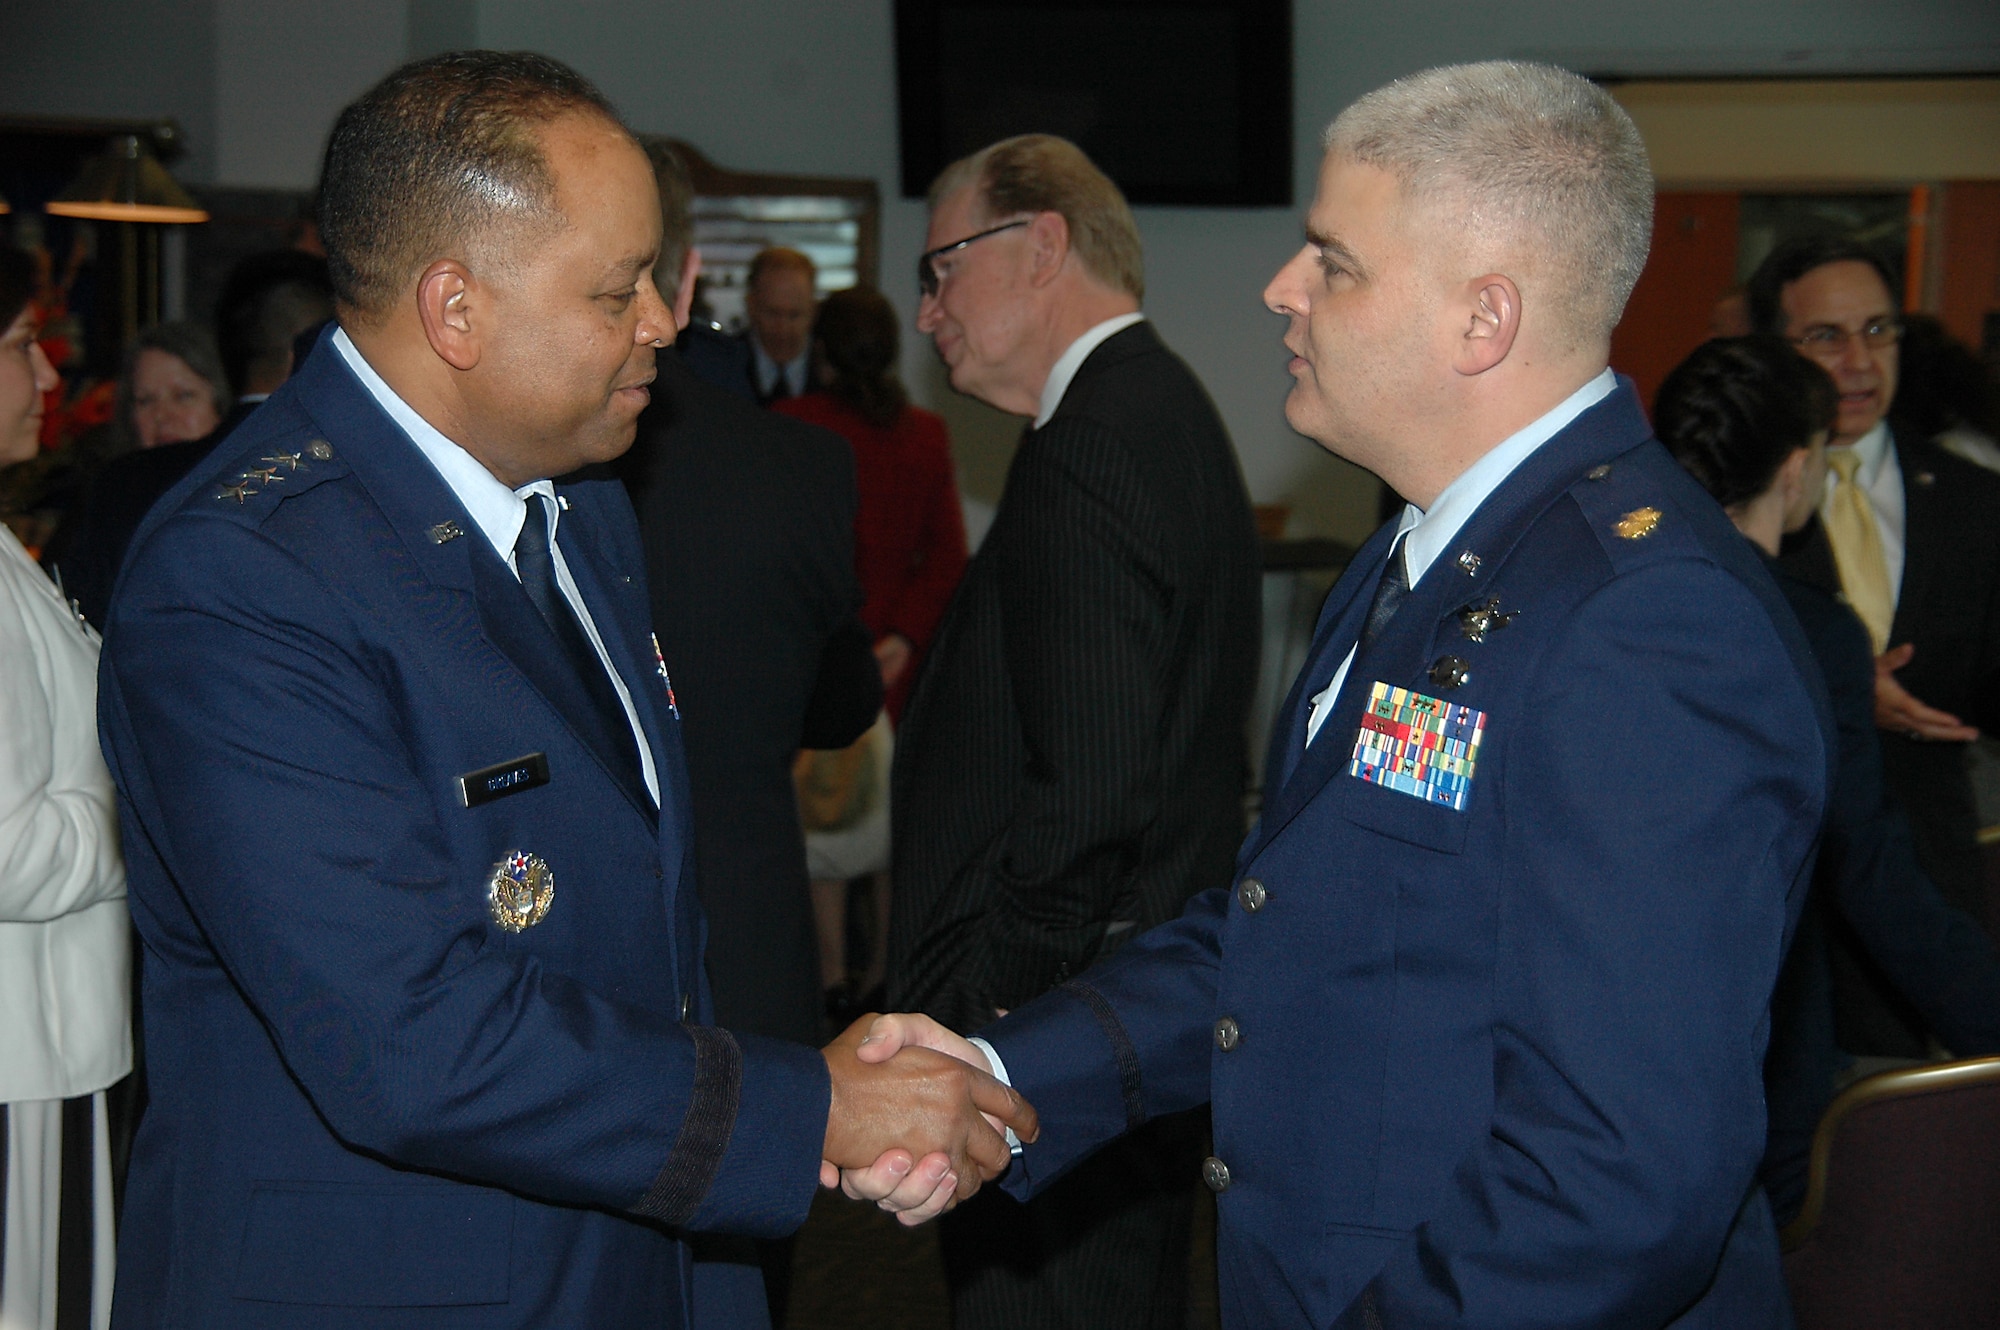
(1042, 173)
(1543, 155)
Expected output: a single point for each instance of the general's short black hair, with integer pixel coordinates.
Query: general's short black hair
(1733, 411)
(437, 151)
(1793, 260)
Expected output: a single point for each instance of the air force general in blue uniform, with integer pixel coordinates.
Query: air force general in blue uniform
(1482, 1014)
(396, 1079)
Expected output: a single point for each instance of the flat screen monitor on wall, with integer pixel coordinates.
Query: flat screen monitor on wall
(1180, 102)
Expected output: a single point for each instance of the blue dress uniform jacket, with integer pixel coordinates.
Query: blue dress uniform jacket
(370, 1105)
(1494, 1066)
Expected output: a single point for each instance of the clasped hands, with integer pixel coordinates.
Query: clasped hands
(916, 1119)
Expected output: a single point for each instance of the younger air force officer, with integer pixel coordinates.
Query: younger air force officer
(1482, 1014)
(402, 789)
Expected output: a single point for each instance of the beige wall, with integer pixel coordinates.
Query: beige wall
(1814, 131)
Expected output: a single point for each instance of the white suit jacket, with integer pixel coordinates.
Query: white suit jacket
(65, 978)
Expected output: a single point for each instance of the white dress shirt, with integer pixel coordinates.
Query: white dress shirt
(1423, 534)
(1880, 477)
(769, 371)
(1071, 360)
(498, 512)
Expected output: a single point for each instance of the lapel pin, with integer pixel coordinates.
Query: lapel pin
(1476, 621)
(445, 532)
(263, 475)
(240, 490)
(289, 461)
(1468, 561)
(520, 891)
(320, 450)
(1638, 524)
(1598, 472)
(1926, 478)
(1450, 671)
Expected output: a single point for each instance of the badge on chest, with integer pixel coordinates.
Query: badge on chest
(1417, 745)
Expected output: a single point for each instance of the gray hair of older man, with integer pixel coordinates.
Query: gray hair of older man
(1526, 162)
(1034, 173)
(191, 343)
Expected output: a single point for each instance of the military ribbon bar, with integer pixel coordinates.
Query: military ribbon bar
(1417, 745)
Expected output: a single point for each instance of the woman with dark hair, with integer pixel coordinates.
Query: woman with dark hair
(909, 552)
(65, 1035)
(1749, 418)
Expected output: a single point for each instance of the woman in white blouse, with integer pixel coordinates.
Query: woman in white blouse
(65, 989)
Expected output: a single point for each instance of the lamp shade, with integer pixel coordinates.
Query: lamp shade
(125, 183)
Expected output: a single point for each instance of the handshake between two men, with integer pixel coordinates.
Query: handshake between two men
(917, 1117)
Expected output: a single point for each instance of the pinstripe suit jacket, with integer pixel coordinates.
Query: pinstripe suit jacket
(1073, 754)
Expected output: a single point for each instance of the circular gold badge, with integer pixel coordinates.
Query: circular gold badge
(519, 892)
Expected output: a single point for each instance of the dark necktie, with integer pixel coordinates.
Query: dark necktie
(781, 387)
(1389, 593)
(537, 567)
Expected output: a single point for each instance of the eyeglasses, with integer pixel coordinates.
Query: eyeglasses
(927, 276)
(1823, 341)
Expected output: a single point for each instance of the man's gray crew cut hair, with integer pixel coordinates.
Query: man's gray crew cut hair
(1534, 151)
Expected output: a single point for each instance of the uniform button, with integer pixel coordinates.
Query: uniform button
(1215, 1173)
(1227, 1034)
(1252, 894)
(687, 1005)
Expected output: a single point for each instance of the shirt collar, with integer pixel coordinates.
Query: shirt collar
(1071, 360)
(1873, 450)
(1431, 530)
(496, 510)
(794, 370)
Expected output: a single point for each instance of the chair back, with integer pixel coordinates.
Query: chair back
(1901, 1223)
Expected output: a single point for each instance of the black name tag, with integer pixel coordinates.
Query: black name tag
(497, 782)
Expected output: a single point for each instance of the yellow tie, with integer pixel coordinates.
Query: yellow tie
(1857, 549)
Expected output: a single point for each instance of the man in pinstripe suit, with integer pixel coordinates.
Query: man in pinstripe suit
(1071, 766)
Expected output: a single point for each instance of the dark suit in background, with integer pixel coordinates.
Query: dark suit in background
(119, 498)
(1949, 606)
(1070, 770)
(1869, 893)
(748, 522)
(716, 357)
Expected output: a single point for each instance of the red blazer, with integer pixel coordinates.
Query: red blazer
(909, 532)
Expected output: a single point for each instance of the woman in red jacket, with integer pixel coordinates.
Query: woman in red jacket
(909, 552)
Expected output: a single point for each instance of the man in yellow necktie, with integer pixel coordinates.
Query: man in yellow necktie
(1910, 534)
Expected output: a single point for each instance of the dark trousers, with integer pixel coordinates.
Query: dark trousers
(1104, 1248)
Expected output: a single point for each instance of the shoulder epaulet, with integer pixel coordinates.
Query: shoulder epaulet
(1635, 517)
(262, 476)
